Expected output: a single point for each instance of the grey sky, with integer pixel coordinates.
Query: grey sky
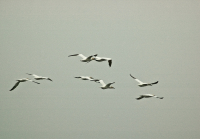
(152, 40)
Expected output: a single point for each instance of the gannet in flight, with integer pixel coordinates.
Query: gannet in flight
(148, 96)
(36, 77)
(141, 84)
(21, 80)
(84, 58)
(106, 86)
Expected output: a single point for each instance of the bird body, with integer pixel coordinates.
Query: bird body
(84, 58)
(148, 96)
(36, 77)
(142, 84)
(106, 86)
(21, 80)
(100, 59)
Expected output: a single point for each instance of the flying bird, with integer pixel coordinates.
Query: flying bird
(84, 58)
(148, 96)
(36, 77)
(21, 80)
(100, 59)
(87, 78)
(106, 86)
(141, 84)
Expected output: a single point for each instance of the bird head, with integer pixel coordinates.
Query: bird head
(112, 87)
(92, 58)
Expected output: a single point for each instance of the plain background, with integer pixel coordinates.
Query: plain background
(152, 40)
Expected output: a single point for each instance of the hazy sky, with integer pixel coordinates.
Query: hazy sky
(152, 40)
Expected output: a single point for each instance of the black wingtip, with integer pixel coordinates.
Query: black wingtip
(110, 62)
(73, 55)
(155, 82)
(50, 79)
(132, 76)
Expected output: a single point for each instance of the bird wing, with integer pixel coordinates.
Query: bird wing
(155, 82)
(14, 86)
(139, 98)
(105, 58)
(50, 79)
(97, 58)
(148, 95)
(95, 80)
(73, 55)
(136, 79)
(109, 84)
(102, 82)
(81, 55)
(77, 77)
(110, 62)
(86, 78)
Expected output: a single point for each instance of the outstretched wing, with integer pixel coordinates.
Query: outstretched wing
(110, 62)
(155, 82)
(139, 98)
(14, 86)
(78, 77)
(73, 55)
(81, 55)
(49, 79)
(109, 84)
(102, 82)
(136, 79)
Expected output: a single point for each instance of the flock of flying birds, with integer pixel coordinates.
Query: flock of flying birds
(104, 86)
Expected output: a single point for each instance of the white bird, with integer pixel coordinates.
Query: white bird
(36, 77)
(106, 86)
(84, 58)
(141, 84)
(148, 96)
(21, 80)
(100, 59)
